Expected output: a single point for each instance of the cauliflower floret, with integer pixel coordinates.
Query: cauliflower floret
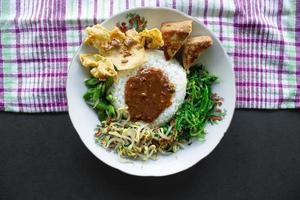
(100, 67)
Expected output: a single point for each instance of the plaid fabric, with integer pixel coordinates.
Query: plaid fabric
(39, 37)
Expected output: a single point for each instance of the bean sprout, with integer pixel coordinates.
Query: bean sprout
(136, 140)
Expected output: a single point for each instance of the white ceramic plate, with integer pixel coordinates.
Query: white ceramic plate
(85, 120)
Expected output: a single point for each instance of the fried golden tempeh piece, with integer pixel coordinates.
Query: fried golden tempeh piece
(193, 49)
(175, 35)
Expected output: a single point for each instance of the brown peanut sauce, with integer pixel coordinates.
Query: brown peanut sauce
(148, 94)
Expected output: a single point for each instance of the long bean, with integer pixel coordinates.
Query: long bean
(99, 98)
(91, 82)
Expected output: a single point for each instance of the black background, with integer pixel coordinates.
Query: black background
(42, 157)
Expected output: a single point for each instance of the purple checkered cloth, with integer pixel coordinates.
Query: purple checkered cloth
(39, 37)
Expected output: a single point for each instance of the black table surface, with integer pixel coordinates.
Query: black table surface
(42, 157)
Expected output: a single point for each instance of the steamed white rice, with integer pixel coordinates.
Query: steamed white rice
(172, 69)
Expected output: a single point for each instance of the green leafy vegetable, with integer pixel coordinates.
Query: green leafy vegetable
(199, 107)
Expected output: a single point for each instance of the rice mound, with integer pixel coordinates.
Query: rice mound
(172, 69)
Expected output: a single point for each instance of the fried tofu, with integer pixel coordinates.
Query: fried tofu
(174, 35)
(194, 48)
